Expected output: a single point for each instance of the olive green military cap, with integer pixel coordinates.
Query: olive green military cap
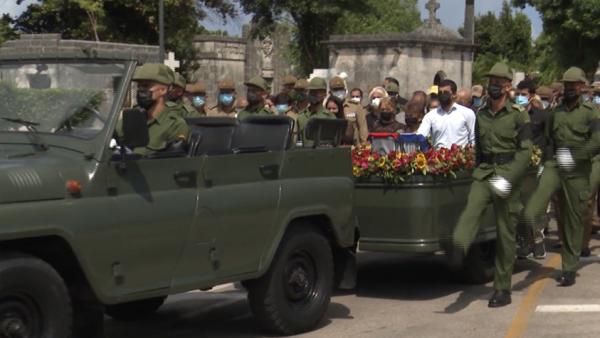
(301, 84)
(544, 92)
(501, 70)
(596, 87)
(226, 84)
(336, 82)
(154, 72)
(197, 87)
(477, 91)
(556, 86)
(392, 87)
(259, 82)
(317, 83)
(574, 74)
(289, 80)
(179, 81)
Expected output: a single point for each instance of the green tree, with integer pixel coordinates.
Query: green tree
(6, 30)
(388, 16)
(313, 20)
(504, 38)
(129, 21)
(571, 35)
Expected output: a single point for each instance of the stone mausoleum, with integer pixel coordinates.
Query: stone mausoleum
(417, 59)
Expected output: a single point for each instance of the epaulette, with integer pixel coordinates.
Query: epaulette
(170, 104)
(589, 106)
(518, 107)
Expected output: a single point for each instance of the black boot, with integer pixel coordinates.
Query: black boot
(567, 278)
(586, 252)
(500, 298)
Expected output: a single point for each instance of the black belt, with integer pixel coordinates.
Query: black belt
(498, 159)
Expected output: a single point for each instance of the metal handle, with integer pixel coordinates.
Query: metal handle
(269, 171)
(185, 177)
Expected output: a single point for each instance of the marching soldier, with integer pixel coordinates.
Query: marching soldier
(503, 152)
(574, 137)
(257, 93)
(225, 100)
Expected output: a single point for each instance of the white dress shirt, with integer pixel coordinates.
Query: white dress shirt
(446, 128)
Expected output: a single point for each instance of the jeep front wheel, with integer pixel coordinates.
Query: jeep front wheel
(294, 294)
(34, 301)
(134, 310)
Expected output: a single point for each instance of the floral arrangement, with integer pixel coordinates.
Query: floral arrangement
(396, 166)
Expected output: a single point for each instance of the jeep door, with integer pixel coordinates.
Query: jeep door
(156, 201)
(238, 203)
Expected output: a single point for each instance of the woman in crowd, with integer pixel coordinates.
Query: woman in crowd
(386, 122)
(375, 97)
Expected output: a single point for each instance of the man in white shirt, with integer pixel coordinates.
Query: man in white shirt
(450, 123)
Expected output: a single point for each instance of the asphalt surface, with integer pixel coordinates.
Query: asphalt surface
(404, 296)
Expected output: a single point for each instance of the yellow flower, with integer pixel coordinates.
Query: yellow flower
(381, 162)
(421, 161)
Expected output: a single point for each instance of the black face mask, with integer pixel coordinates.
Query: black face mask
(253, 98)
(571, 95)
(386, 116)
(445, 98)
(144, 98)
(412, 120)
(313, 99)
(495, 91)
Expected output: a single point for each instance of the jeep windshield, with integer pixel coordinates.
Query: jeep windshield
(61, 98)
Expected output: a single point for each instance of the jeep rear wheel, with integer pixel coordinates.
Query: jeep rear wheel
(134, 310)
(34, 301)
(478, 267)
(294, 294)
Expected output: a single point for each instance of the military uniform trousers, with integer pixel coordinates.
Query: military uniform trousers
(573, 204)
(507, 214)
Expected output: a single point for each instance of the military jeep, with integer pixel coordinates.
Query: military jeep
(88, 228)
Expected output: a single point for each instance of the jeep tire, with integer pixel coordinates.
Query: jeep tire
(135, 310)
(34, 301)
(294, 294)
(478, 266)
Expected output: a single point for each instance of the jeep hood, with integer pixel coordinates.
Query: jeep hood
(31, 178)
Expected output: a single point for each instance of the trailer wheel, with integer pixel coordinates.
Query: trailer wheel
(478, 266)
(294, 294)
(34, 300)
(134, 310)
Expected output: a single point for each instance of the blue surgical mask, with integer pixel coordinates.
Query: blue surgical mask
(597, 99)
(476, 101)
(282, 108)
(198, 101)
(225, 99)
(521, 100)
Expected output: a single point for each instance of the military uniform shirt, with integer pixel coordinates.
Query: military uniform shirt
(167, 127)
(217, 111)
(506, 132)
(575, 130)
(262, 111)
(307, 115)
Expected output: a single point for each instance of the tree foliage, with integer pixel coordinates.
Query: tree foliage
(571, 35)
(504, 38)
(387, 16)
(129, 21)
(6, 30)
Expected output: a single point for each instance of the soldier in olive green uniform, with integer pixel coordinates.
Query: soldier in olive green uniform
(195, 98)
(573, 137)
(358, 131)
(257, 92)
(300, 95)
(225, 100)
(176, 97)
(165, 124)
(504, 147)
(317, 90)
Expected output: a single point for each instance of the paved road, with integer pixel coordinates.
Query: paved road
(403, 296)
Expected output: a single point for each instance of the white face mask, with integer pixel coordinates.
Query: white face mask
(355, 99)
(340, 94)
(375, 102)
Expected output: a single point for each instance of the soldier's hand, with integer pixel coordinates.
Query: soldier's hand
(565, 159)
(500, 186)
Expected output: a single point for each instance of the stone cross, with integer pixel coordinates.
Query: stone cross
(171, 62)
(432, 6)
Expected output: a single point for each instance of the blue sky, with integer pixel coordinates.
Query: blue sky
(451, 13)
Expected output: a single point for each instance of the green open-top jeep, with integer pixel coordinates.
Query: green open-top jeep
(87, 227)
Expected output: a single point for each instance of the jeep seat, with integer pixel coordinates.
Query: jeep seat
(264, 133)
(211, 135)
(328, 132)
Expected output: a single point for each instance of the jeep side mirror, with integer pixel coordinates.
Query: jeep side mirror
(135, 128)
